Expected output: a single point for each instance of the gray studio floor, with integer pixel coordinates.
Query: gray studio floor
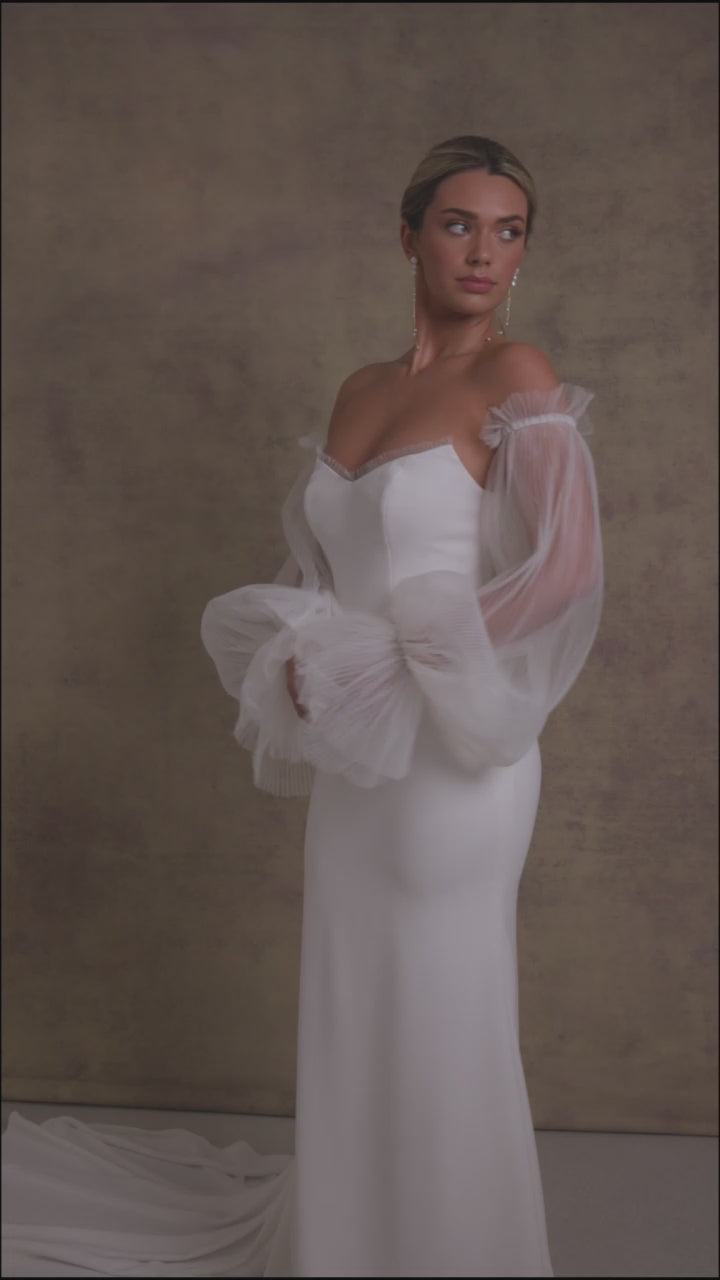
(617, 1204)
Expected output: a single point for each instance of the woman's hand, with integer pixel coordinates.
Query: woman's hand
(292, 688)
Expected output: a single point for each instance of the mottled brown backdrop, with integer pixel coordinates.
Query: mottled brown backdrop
(201, 241)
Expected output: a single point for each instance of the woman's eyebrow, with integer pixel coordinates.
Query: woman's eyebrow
(465, 213)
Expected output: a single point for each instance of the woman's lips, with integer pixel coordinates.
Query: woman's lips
(477, 286)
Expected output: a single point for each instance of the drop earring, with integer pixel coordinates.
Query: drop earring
(414, 263)
(513, 282)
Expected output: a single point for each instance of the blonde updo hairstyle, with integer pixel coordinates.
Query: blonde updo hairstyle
(453, 156)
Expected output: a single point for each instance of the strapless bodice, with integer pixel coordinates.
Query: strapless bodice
(405, 513)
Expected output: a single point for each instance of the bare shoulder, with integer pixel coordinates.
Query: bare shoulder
(522, 367)
(347, 398)
(358, 381)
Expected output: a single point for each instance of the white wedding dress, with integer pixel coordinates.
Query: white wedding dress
(434, 626)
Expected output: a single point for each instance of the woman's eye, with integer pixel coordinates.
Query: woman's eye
(512, 231)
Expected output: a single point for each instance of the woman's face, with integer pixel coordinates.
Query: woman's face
(486, 239)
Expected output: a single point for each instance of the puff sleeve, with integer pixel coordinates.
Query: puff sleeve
(494, 660)
(364, 706)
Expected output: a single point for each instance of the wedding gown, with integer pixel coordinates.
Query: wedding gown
(434, 625)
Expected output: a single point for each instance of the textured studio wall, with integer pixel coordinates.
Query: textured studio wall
(201, 241)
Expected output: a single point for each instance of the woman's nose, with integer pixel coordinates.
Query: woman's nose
(480, 247)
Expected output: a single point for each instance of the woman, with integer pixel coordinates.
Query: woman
(441, 594)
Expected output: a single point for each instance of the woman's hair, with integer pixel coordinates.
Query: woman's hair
(453, 156)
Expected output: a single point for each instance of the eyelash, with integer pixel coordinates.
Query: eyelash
(514, 232)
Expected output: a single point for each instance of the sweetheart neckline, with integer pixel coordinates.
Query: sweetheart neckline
(390, 455)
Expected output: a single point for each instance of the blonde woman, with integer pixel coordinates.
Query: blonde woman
(441, 593)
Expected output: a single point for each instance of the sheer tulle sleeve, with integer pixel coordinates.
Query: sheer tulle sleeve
(494, 660)
(249, 632)
(363, 705)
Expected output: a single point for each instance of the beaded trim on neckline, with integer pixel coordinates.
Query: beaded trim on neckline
(354, 474)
